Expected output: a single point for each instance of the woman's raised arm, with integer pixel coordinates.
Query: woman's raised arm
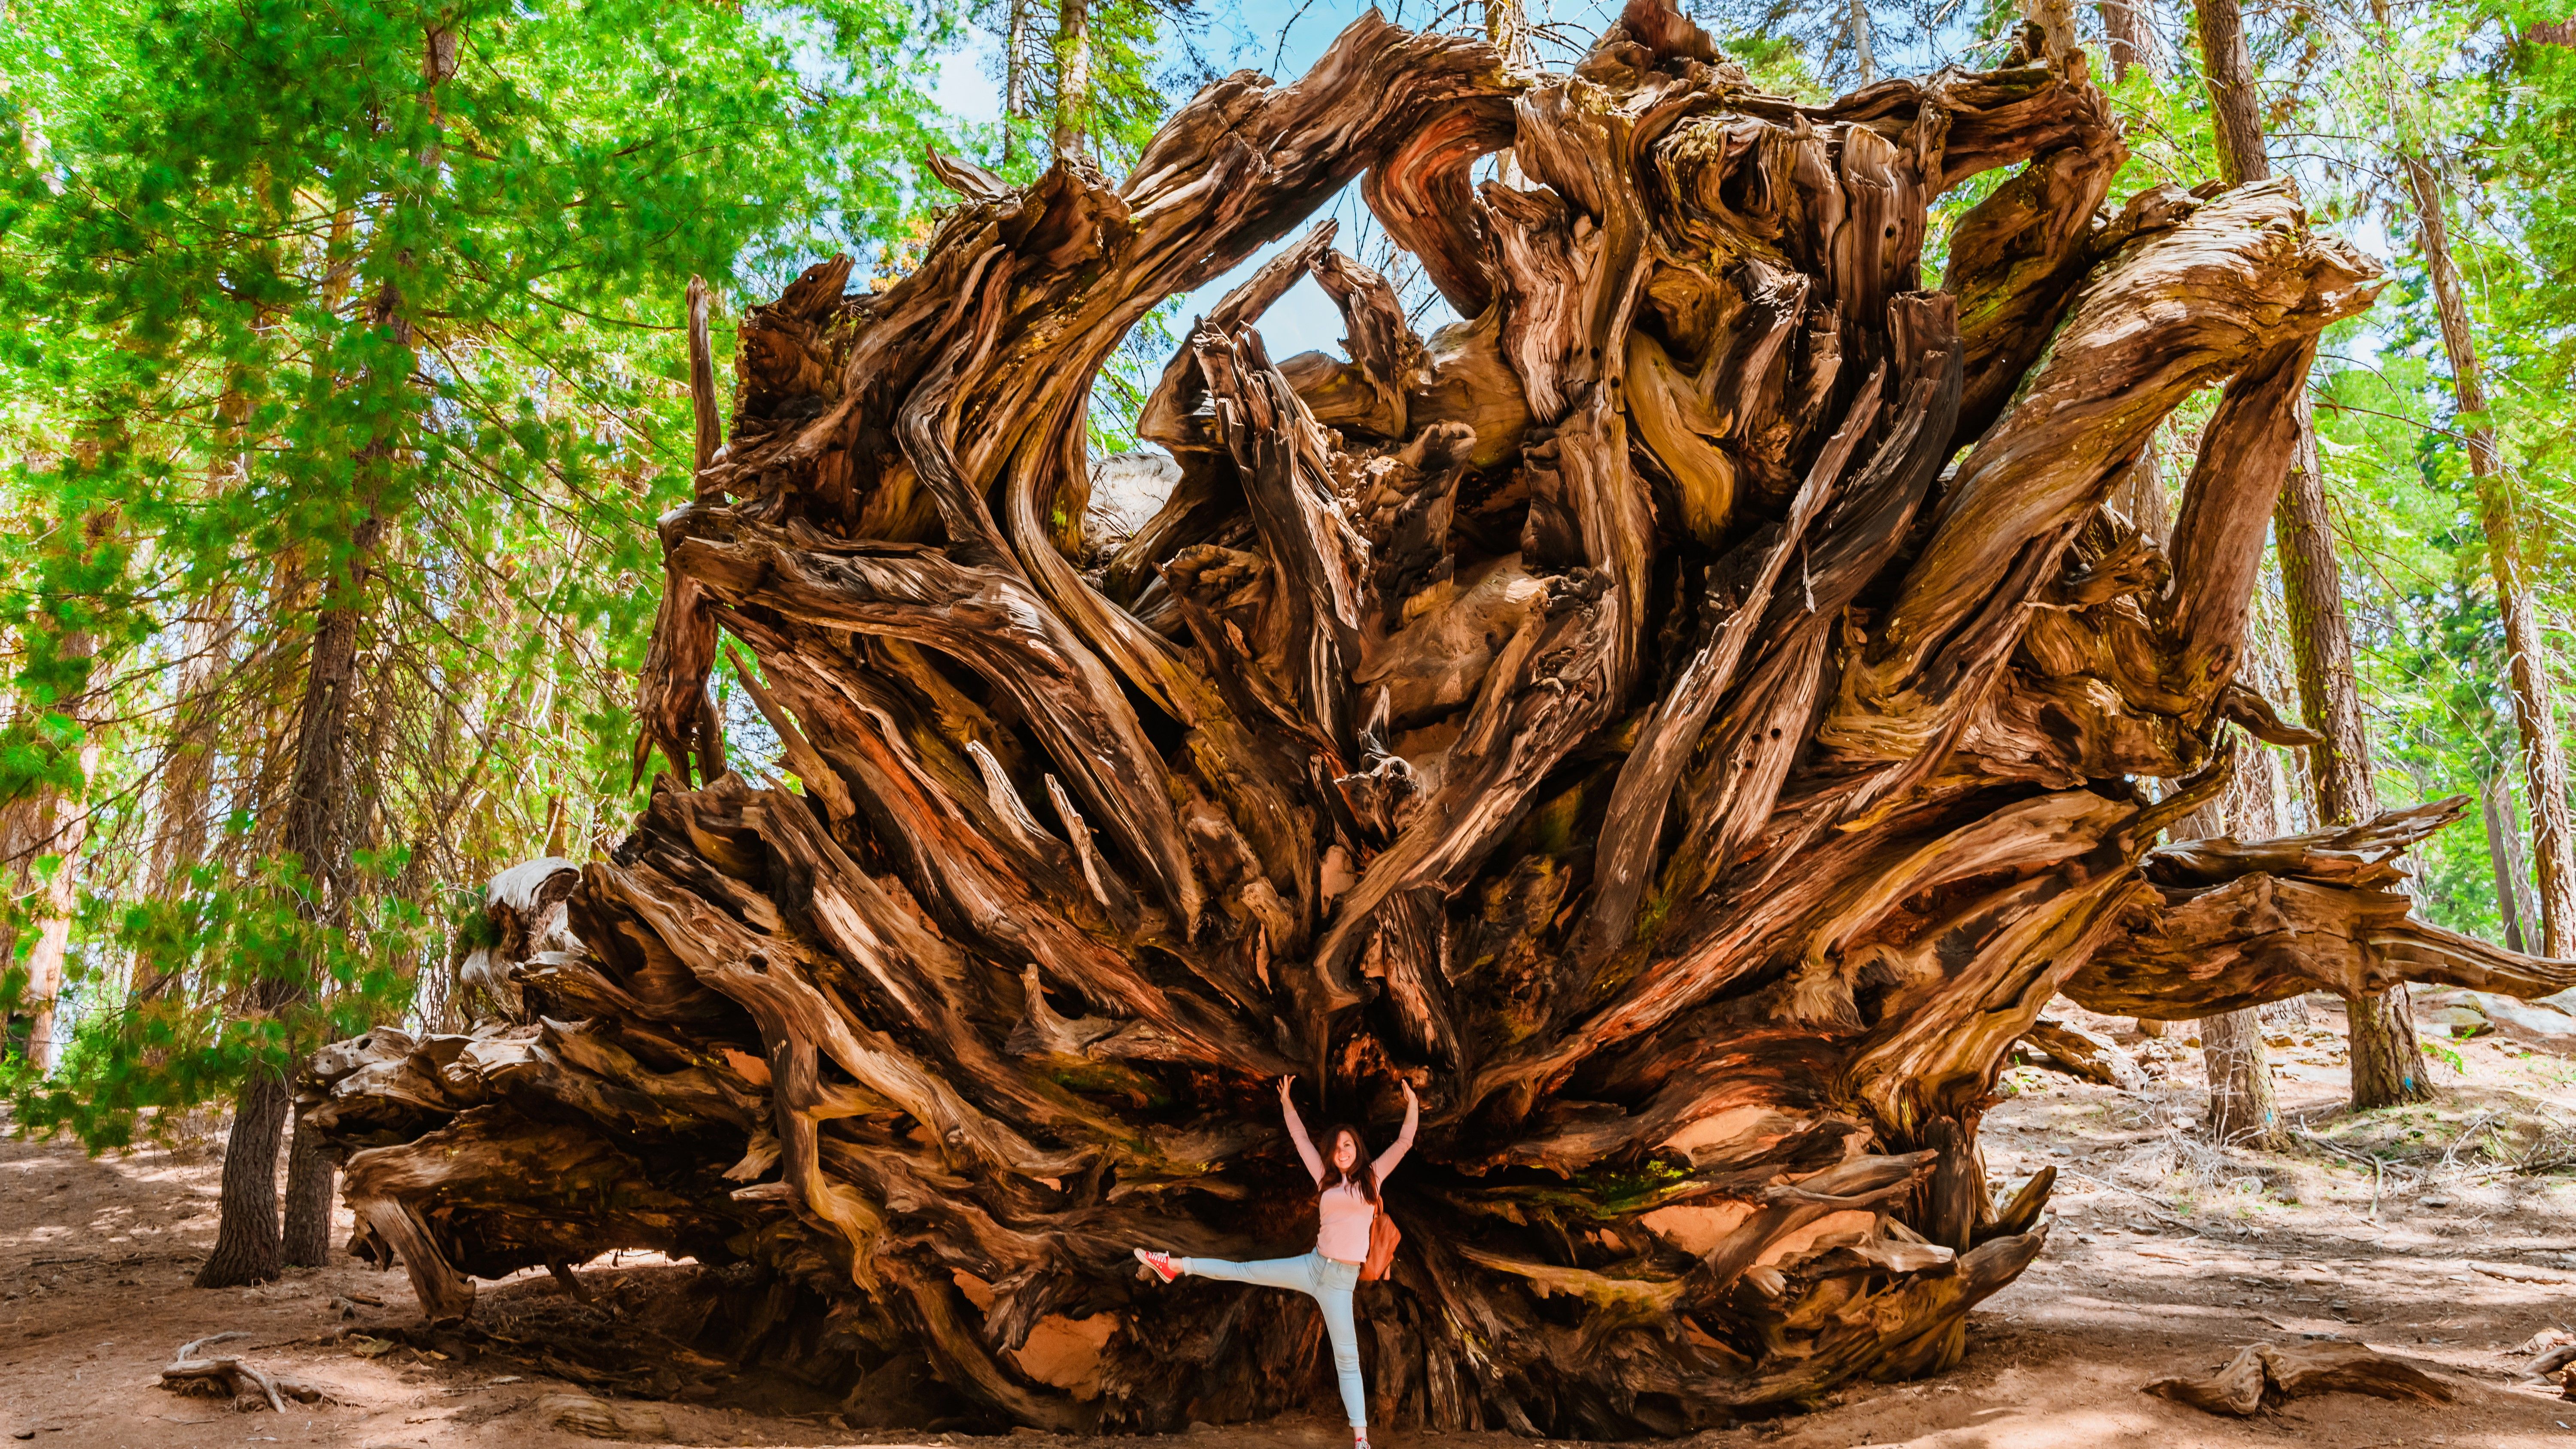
(1387, 1160)
(1297, 1132)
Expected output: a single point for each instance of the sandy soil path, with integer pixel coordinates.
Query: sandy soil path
(2441, 1234)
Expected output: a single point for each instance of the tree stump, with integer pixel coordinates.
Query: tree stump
(1688, 718)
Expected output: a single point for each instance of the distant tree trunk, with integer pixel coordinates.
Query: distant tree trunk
(1859, 25)
(1073, 79)
(2056, 22)
(67, 827)
(1507, 28)
(61, 820)
(2504, 854)
(2141, 495)
(1015, 77)
(187, 778)
(311, 1176)
(2242, 1107)
(2383, 1044)
(2535, 713)
(2238, 1066)
(187, 766)
(2235, 105)
(2124, 24)
(61, 830)
(2385, 1056)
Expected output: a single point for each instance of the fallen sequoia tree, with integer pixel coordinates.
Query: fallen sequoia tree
(1689, 719)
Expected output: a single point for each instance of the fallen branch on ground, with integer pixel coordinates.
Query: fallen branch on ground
(2086, 1055)
(236, 1378)
(2268, 1375)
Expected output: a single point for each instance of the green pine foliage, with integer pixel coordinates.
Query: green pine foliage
(264, 279)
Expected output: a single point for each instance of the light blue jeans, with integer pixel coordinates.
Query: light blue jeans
(1329, 1282)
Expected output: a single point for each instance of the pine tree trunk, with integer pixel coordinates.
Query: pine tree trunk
(2535, 713)
(1507, 30)
(313, 835)
(60, 820)
(1015, 73)
(248, 1248)
(1684, 719)
(2141, 496)
(311, 1174)
(2236, 113)
(64, 829)
(248, 1245)
(2127, 36)
(1072, 79)
(2339, 766)
(2233, 1055)
(2056, 22)
(2242, 1109)
(2381, 1032)
(2385, 1056)
(2504, 855)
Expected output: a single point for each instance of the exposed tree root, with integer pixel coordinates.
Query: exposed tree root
(1689, 718)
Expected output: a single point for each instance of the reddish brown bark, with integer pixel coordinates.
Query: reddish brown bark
(1607, 714)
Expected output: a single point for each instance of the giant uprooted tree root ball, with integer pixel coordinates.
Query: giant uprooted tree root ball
(1689, 718)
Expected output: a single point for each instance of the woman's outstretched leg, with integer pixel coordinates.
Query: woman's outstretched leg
(1292, 1273)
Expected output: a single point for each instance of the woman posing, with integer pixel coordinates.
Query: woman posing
(1349, 1205)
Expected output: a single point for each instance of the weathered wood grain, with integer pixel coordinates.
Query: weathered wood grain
(1624, 714)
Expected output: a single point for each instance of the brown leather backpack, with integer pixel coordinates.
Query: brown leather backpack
(1383, 1236)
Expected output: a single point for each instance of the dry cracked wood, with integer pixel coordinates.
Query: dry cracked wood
(246, 1383)
(2219, 925)
(1605, 712)
(2264, 1375)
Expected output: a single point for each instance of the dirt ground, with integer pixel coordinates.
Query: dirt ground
(2438, 1233)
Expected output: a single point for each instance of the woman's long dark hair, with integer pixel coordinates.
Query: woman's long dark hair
(1361, 1174)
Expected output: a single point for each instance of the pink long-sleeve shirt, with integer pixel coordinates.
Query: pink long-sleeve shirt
(1346, 1213)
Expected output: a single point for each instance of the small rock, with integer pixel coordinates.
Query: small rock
(2437, 1202)
(2461, 1020)
(2543, 1341)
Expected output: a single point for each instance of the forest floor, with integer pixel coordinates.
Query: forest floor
(2444, 1234)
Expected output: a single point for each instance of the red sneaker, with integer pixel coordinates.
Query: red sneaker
(1162, 1264)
